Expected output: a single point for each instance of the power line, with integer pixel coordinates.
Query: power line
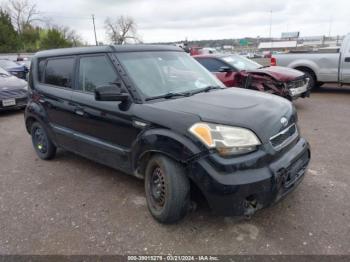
(59, 15)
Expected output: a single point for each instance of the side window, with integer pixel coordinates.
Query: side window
(212, 64)
(59, 72)
(95, 71)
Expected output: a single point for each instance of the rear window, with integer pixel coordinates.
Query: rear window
(59, 72)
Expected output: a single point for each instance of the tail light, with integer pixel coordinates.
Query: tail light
(273, 61)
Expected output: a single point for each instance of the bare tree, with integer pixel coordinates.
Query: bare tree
(22, 13)
(71, 35)
(121, 30)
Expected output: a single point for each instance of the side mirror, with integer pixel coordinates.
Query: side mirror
(225, 69)
(110, 93)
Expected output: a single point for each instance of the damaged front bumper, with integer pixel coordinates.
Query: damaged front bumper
(241, 186)
(299, 88)
(291, 90)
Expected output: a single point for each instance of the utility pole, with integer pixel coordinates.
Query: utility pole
(330, 26)
(270, 24)
(93, 22)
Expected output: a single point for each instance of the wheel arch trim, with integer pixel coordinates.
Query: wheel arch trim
(165, 142)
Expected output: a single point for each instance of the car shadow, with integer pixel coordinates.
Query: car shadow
(200, 215)
(198, 208)
(11, 112)
(332, 89)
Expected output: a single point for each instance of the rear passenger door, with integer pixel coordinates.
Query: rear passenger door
(56, 78)
(103, 131)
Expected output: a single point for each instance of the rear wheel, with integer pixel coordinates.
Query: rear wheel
(167, 189)
(43, 146)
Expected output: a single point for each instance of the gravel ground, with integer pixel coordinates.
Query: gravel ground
(71, 205)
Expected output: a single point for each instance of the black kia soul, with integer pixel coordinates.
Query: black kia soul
(156, 113)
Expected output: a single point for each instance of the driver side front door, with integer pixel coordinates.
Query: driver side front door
(104, 132)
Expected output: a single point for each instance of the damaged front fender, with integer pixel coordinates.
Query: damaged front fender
(264, 83)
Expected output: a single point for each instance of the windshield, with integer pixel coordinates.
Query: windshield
(241, 63)
(159, 73)
(8, 64)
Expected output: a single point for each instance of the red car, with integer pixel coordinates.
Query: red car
(237, 71)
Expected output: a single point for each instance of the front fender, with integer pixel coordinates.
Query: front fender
(165, 142)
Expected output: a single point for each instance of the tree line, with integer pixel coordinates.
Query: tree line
(24, 29)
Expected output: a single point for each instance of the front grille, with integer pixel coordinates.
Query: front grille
(284, 137)
(297, 83)
(14, 93)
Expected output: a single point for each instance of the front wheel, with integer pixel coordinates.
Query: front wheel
(313, 85)
(43, 146)
(167, 189)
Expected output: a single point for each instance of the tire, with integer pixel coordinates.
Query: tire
(313, 81)
(167, 189)
(42, 144)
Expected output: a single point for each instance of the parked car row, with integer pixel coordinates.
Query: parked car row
(13, 91)
(14, 68)
(237, 71)
(13, 88)
(322, 67)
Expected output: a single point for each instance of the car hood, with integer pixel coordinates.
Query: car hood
(18, 68)
(254, 110)
(11, 82)
(279, 73)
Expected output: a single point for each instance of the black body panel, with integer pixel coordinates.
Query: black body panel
(122, 134)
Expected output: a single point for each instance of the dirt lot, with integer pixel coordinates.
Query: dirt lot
(71, 205)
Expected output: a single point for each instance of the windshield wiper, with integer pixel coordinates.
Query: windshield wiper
(168, 95)
(188, 93)
(260, 67)
(205, 89)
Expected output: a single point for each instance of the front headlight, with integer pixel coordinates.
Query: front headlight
(227, 140)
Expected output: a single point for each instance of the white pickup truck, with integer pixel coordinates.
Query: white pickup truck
(320, 67)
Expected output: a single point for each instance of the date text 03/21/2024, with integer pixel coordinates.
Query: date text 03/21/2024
(172, 258)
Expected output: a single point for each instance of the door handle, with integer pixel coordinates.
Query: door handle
(347, 59)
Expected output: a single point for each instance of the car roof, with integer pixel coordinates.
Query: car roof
(105, 49)
(212, 55)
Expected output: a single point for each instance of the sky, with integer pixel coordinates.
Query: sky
(176, 20)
